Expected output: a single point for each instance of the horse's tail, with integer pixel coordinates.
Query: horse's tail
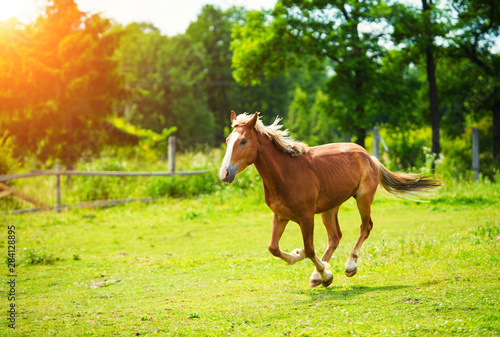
(401, 184)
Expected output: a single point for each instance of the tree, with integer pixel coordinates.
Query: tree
(317, 32)
(430, 66)
(142, 62)
(310, 118)
(187, 106)
(418, 29)
(299, 120)
(68, 85)
(475, 30)
(165, 79)
(212, 31)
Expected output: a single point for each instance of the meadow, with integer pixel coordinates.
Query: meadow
(197, 264)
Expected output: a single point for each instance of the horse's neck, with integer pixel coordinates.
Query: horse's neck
(272, 164)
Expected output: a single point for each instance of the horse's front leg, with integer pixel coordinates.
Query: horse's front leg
(279, 226)
(322, 274)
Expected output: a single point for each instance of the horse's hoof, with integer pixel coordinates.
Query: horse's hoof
(315, 283)
(327, 282)
(351, 273)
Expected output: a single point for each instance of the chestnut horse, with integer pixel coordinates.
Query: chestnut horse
(300, 181)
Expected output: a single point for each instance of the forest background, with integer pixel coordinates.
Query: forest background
(76, 86)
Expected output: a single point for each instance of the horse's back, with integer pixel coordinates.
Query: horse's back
(337, 148)
(340, 169)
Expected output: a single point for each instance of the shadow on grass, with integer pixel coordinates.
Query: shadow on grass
(342, 293)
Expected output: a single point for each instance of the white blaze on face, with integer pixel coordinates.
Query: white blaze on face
(227, 158)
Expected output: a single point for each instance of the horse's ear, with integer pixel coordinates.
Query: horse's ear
(251, 123)
(233, 116)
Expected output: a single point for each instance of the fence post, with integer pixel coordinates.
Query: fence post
(475, 152)
(376, 141)
(58, 189)
(171, 154)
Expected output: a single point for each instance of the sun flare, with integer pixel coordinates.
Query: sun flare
(7, 9)
(22, 9)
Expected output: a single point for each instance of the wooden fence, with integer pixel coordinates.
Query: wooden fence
(5, 189)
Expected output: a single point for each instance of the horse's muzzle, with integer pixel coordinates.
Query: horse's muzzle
(227, 174)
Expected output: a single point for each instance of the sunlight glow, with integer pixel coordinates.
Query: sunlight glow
(7, 9)
(23, 10)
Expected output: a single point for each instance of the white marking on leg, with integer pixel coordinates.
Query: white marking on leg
(325, 277)
(327, 272)
(295, 256)
(351, 262)
(227, 157)
(316, 277)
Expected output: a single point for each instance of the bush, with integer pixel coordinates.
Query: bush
(34, 256)
(89, 188)
(407, 148)
(181, 186)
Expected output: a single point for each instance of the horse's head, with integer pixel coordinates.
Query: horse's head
(241, 149)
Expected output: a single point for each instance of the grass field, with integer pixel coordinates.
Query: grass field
(200, 267)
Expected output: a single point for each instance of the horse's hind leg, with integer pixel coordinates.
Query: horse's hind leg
(331, 222)
(364, 202)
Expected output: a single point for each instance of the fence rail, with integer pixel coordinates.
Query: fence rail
(58, 172)
(7, 190)
(37, 173)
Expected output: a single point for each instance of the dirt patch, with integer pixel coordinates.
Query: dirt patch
(411, 300)
(102, 283)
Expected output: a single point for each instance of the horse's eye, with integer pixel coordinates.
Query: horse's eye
(243, 142)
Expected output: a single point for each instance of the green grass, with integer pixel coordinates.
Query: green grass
(200, 267)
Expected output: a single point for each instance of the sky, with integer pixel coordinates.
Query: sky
(170, 16)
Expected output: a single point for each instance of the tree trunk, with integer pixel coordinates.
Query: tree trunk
(434, 105)
(431, 79)
(360, 136)
(70, 155)
(496, 125)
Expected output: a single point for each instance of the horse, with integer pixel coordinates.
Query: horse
(301, 181)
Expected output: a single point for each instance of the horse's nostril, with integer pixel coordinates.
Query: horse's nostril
(224, 172)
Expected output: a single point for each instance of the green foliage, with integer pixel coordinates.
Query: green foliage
(178, 186)
(407, 148)
(89, 188)
(466, 193)
(142, 62)
(8, 162)
(325, 130)
(166, 89)
(312, 121)
(488, 232)
(299, 117)
(34, 256)
(149, 140)
(65, 82)
(73, 87)
(259, 48)
(307, 36)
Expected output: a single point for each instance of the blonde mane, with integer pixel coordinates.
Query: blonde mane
(280, 137)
